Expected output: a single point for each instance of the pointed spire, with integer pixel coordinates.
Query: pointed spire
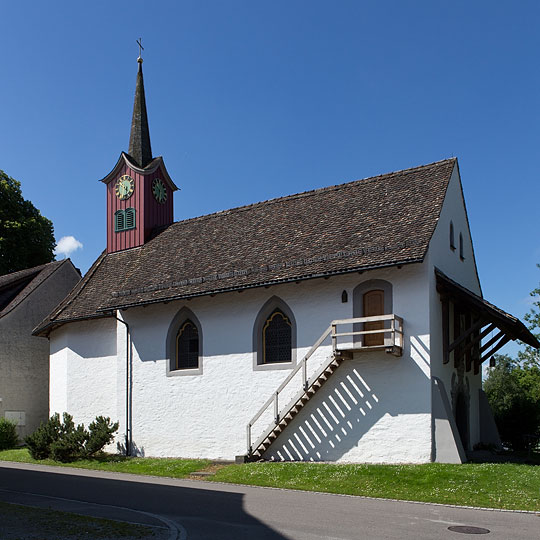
(139, 139)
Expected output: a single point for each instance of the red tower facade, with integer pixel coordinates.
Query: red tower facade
(139, 188)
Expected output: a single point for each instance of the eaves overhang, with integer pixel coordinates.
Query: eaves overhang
(510, 327)
(157, 162)
(268, 283)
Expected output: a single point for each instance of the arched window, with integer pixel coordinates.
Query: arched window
(184, 344)
(461, 255)
(274, 336)
(452, 241)
(187, 346)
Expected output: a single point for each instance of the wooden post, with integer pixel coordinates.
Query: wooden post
(445, 329)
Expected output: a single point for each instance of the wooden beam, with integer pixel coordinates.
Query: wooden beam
(500, 344)
(445, 330)
(479, 337)
(491, 342)
(466, 334)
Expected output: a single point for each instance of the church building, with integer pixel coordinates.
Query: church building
(341, 324)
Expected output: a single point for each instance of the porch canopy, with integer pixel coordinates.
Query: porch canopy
(467, 319)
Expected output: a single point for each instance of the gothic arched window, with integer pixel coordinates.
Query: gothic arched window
(184, 344)
(187, 346)
(274, 336)
(277, 338)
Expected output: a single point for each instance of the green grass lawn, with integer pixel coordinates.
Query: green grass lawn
(174, 468)
(492, 485)
(489, 485)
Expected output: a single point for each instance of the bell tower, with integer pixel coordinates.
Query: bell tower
(139, 188)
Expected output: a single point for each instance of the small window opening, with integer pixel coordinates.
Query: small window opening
(124, 219)
(344, 297)
(461, 255)
(452, 241)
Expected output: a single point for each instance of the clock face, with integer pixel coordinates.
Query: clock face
(159, 190)
(124, 188)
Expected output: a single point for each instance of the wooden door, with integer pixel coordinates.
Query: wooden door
(373, 305)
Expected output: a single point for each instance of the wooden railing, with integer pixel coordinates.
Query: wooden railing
(392, 343)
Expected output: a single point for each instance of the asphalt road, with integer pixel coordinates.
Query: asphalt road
(202, 510)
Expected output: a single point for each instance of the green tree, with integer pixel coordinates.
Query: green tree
(26, 237)
(513, 392)
(531, 356)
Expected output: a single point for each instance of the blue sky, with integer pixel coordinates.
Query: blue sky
(251, 100)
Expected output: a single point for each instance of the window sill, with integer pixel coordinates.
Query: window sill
(184, 372)
(274, 366)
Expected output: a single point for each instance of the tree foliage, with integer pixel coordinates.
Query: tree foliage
(513, 388)
(530, 355)
(513, 392)
(26, 237)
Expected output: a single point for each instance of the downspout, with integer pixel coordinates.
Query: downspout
(129, 437)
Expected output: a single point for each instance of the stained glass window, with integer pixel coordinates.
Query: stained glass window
(276, 338)
(187, 346)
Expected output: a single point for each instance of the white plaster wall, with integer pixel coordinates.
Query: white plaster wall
(464, 272)
(375, 408)
(83, 370)
(206, 415)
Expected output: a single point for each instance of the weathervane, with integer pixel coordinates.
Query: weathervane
(141, 48)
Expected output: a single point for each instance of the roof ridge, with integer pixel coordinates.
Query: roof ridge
(312, 192)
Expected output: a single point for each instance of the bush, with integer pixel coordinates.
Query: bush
(8, 434)
(63, 441)
(39, 443)
(101, 433)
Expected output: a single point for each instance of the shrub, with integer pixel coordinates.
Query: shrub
(63, 441)
(101, 433)
(8, 434)
(39, 443)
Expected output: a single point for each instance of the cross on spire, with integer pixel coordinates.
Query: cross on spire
(141, 48)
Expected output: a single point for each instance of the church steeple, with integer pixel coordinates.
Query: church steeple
(139, 188)
(139, 139)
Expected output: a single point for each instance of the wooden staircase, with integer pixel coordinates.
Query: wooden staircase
(393, 344)
(297, 404)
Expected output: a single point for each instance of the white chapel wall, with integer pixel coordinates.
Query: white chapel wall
(206, 415)
(440, 255)
(83, 370)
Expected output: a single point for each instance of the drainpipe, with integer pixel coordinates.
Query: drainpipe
(129, 438)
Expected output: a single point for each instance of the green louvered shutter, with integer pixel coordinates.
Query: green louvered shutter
(119, 221)
(130, 218)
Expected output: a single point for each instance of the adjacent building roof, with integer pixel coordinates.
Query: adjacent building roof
(382, 221)
(17, 286)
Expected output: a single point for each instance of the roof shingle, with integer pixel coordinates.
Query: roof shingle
(381, 221)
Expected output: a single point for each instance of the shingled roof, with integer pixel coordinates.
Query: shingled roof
(382, 221)
(17, 286)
